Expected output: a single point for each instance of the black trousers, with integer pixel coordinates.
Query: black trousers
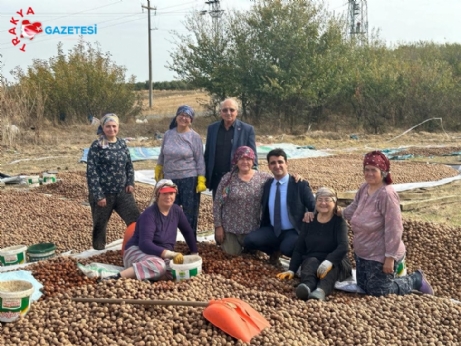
(215, 180)
(124, 205)
(309, 276)
(189, 200)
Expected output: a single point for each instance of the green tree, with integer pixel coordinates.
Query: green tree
(277, 56)
(85, 81)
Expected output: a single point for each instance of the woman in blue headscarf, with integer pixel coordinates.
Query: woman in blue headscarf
(110, 177)
(181, 160)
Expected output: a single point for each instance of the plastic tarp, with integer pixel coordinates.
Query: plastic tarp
(293, 151)
(457, 153)
(136, 153)
(410, 186)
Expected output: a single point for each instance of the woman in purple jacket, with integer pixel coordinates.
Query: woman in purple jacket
(150, 249)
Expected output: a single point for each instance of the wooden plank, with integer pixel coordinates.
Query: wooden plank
(411, 205)
(415, 195)
(346, 195)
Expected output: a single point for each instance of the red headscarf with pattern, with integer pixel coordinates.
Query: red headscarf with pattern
(379, 160)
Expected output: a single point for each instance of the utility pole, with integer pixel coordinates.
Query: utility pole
(357, 21)
(215, 13)
(150, 48)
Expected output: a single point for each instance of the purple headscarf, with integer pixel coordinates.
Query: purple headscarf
(185, 109)
(243, 151)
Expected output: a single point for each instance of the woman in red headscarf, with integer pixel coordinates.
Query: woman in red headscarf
(376, 221)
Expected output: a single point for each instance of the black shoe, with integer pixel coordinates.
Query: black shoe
(112, 277)
(249, 252)
(274, 258)
(303, 291)
(99, 245)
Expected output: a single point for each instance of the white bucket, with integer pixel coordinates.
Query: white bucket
(14, 299)
(13, 255)
(192, 266)
(33, 180)
(49, 178)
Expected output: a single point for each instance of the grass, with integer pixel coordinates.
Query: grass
(166, 102)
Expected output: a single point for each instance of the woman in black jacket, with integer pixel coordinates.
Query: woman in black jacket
(321, 250)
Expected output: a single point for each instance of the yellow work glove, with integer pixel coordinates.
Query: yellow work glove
(324, 268)
(158, 172)
(177, 257)
(288, 275)
(200, 184)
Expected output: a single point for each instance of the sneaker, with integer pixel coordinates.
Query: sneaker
(424, 285)
(303, 291)
(318, 294)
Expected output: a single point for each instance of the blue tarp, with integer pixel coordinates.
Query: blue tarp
(293, 152)
(458, 153)
(136, 153)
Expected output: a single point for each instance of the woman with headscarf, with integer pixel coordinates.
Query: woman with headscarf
(181, 160)
(237, 204)
(110, 178)
(376, 221)
(321, 250)
(149, 251)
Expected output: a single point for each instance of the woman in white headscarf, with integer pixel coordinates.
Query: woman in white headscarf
(110, 177)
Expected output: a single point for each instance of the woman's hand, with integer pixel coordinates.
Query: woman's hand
(129, 189)
(308, 217)
(388, 266)
(288, 275)
(297, 177)
(339, 211)
(219, 235)
(102, 202)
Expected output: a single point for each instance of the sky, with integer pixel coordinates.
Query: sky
(122, 27)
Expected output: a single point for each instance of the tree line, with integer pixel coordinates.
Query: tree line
(291, 63)
(70, 88)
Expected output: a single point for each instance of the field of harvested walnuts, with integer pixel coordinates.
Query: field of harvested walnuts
(59, 213)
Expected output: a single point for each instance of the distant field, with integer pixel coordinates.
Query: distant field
(166, 102)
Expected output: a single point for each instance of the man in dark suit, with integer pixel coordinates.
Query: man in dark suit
(223, 138)
(284, 203)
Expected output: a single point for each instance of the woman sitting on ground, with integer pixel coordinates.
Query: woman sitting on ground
(149, 251)
(321, 250)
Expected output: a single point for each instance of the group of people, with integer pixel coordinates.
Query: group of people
(275, 213)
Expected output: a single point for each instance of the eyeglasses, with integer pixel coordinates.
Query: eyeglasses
(325, 199)
(184, 116)
(225, 110)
